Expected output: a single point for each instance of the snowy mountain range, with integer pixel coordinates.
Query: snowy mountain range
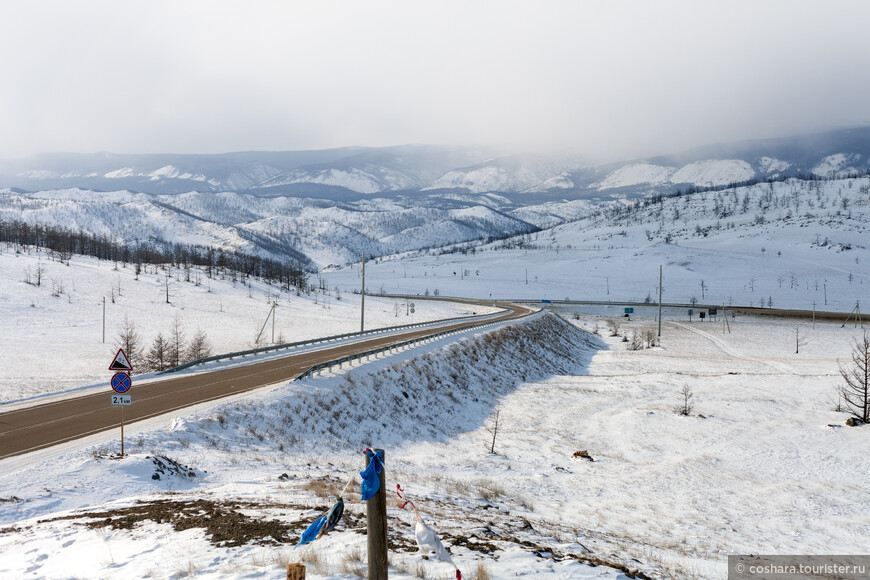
(326, 207)
(315, 232)
(348, 174)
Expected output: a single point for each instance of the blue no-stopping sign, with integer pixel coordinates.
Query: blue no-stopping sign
(121, 382)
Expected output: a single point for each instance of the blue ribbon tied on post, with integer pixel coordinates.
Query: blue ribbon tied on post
(370, 480)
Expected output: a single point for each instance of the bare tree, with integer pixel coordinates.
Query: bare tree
(175, 347)
(199, 347)
(856, 391)
(651, 338)
(168, 285)
(40, 272)
(157, 357)
(129, 340)
(493, 427)
(799, 340)
(687, 407)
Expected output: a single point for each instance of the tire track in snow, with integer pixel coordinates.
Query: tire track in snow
(784, 368)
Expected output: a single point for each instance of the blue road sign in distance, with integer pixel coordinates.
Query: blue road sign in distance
(121, 382)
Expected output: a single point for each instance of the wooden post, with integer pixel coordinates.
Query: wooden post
(376, 516)
(295, 572)
(122, 430)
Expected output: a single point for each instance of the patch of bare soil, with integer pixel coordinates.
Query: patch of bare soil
(223, 523)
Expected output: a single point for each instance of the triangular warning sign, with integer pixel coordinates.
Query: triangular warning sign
(121, 362)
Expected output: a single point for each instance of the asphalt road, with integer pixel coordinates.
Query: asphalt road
(40, 426)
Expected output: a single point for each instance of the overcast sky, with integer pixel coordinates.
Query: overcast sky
(603, 78)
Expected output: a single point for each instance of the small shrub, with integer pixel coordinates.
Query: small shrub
(482, 572)
(687, 406)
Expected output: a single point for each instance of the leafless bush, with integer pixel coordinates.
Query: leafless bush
(687, 406)
(57, 288)
(322, 488)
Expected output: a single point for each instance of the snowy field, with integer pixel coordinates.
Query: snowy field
(51, 335)
(769, 468)
(762, 464)
(790, 245)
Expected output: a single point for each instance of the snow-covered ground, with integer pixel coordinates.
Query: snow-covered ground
(791, 244)
(769, 468)
(51, 336)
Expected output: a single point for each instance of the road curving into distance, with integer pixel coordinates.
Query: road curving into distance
(41, 426)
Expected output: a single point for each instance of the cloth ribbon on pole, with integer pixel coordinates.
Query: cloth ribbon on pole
(371, 483)
(427, 540)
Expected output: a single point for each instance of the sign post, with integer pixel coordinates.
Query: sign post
(121, 383)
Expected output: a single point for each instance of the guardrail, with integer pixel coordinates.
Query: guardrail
(349, 359)
(244, 353)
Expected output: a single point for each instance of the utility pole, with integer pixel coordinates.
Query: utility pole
(265, 322)
(104, 320)
(362, 306)
(725, 317)
(660, 300)
(814, 314)
(608, 285)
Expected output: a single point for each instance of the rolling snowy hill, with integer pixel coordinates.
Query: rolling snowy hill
(789, 244)
(314, 232)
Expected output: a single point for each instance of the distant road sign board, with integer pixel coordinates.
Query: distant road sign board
(629, 310)
(121, 382)
(121, 362)
(122, 400)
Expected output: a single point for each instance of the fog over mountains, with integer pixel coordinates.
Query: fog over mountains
(325, 207)
(348, 173)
